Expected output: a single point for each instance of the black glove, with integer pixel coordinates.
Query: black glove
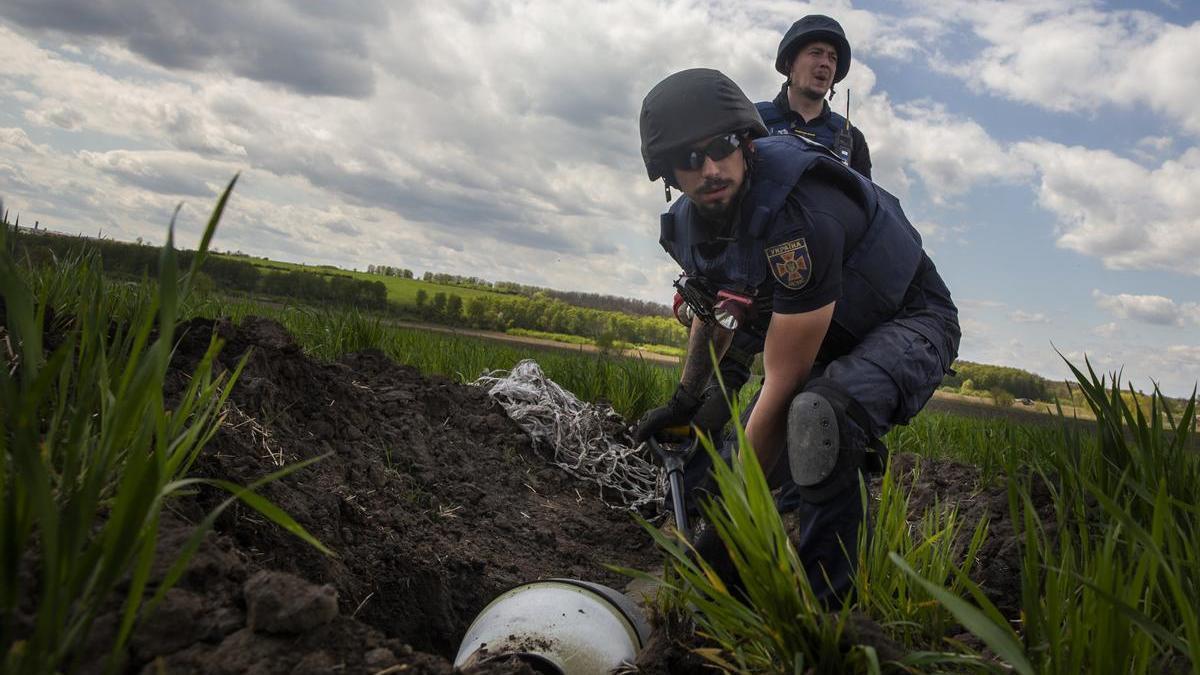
(713, 414)
(678, 412)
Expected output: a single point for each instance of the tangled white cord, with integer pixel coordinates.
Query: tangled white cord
(575, 431)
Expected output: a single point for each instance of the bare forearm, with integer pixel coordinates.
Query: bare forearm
(791, 345)
(699, 366)
(765, 429)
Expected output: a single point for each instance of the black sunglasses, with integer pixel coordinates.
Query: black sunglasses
(717, 149)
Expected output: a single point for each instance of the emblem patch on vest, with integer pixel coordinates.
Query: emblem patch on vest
(790, 263)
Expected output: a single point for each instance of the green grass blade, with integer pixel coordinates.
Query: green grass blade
(999, 638)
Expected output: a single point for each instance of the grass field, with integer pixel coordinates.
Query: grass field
(400, 291)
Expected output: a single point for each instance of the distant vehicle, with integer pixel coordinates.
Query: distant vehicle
(1025, 401)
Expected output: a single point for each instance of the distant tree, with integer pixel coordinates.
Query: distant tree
(454, 306)
(1001, 397)
(477, 311)
(606, 341)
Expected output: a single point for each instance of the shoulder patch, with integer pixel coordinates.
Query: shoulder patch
(790, 263)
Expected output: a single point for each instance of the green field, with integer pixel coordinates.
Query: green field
(400, 291)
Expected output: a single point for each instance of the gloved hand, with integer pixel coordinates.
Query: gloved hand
(713, 414)
(678, 412)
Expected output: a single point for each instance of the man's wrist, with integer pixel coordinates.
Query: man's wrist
(686, 399)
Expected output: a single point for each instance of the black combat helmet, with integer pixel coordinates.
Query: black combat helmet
(812, 28)
(688, 107)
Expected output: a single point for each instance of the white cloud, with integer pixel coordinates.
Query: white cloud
(1153, 309)
(949, 153)
(932, 231)
(1114, 209)
(504, 138)
(489, 139)
(163, 171)
(17, 139)
(1020, 316)
(304, 47)
(1156, 144)
(1076, 56)
(1150, 150)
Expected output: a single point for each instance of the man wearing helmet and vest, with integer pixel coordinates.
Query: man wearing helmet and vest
(814, 55)
(779, 241)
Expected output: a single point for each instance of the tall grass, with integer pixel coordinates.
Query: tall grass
(90, 450)
(1110, 580)
(930, 545)
(991, 444)
(1110, 563)
(778, 625)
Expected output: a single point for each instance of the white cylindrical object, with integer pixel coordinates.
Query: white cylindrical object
(577, 627)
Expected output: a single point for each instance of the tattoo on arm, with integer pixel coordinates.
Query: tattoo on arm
(699, 367)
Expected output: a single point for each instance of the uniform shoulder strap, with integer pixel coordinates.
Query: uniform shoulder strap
(770, 114)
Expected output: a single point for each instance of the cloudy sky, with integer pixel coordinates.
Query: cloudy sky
(1046, 149)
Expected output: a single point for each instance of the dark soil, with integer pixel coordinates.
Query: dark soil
(434, 503)
(431, 497)
(948, 484)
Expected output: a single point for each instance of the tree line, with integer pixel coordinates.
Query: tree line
(544, 313)
(610, 303)
(141, 260)
(1019, 383)
(389, 271)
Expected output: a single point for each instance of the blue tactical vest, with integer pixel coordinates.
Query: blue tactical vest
(876, 272)
(825, 133)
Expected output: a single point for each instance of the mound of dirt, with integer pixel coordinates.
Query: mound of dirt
(432, 498)
(434, 502)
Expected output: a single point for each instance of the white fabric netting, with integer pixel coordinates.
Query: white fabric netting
(577, 432)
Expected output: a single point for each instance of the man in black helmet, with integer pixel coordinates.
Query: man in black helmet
(781, 244)
(814, 55)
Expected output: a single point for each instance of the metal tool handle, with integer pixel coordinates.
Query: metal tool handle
(674, 461)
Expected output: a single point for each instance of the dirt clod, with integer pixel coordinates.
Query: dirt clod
(277, 602)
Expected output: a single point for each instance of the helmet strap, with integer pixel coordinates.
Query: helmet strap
(667, 190)
(832, 91)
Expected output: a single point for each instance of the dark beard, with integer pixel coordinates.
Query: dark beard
(715, 213)
(716, 219)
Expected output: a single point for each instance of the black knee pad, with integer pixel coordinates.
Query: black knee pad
(823, 458)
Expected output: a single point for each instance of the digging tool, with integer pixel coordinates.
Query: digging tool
(674, 452)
